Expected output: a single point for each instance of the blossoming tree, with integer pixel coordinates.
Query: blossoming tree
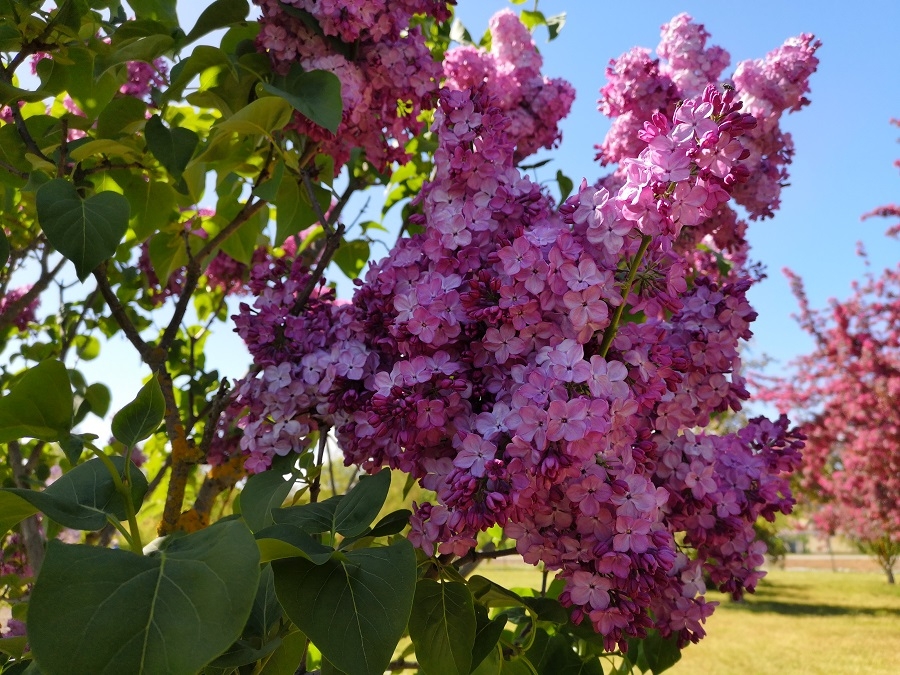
(847, 388)
(542, 365)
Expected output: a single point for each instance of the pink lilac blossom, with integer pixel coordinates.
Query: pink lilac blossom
(640, 85)
(510, 71)
(388, 75)
(455, 364)
(26, 315)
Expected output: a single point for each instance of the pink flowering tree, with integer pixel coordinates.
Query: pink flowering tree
(844, 391)
(542, 367)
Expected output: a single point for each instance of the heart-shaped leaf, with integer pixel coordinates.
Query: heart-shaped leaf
(39, 405)
(98, 610)
(288, 541)
(86, 231)
(219, 14)
(442, 627)
(315, 94)
(140, 418)
(172, 147)
(370, 594)
(359, 507)
(153, 206)
(266, 491)
(349, 514)
(80, 499)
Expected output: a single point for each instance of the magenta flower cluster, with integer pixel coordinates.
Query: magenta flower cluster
(640, 85)
(491, 357)
(387, 73)
(26, 315)
(511, 72)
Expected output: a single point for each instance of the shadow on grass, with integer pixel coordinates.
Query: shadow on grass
(759, 605)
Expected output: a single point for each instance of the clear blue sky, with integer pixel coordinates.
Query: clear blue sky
(844, 142)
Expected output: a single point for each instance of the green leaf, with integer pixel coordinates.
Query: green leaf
(269, 189)
(289, 541)
(370, 594)
(487, 634)
(266, 491)
(392, 523)
(86, 231)
(359, 507)
(73, 446)
(244, 241)
(172, 147)
(10, 93)
(349, 514)
(565, 186)
(547, 609)
(90, 92)
(286, 658)
(261, 117)
(219, 14)
(153, 204)
(352, 256)
(654, 652)
(98, 610)
(311, 518)
(555, 24)
(87, 347)
(140, 418)
(98, 398)
(168, 253)
(80, 499)
(315, 94)
(158, 10)
(243, 653)
(266, 611)
(492, 594)
(556, 655)
(39, 405)
(4, 248)
(144, 49)
(294, 211)
(532, 19)
(123, 116)
(442, 627)
(202, 58)
(13, 646)
(458, 33)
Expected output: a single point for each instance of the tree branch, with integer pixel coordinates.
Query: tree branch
(121, 317)
(195, 269)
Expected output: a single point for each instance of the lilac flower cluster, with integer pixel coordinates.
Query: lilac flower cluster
(640, 85)
(387, 73)
(491, 358)
(299, 351)
(25, 316)
(511, 72)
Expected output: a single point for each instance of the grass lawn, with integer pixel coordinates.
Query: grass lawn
(802, 623)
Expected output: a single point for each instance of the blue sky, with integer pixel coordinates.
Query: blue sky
(845, 146)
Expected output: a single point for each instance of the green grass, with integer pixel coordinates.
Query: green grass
(803, 623)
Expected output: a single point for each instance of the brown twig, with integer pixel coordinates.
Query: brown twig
(332, 244)
(195, 269)
(157, 479)
(185, 456)
(119, 314)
